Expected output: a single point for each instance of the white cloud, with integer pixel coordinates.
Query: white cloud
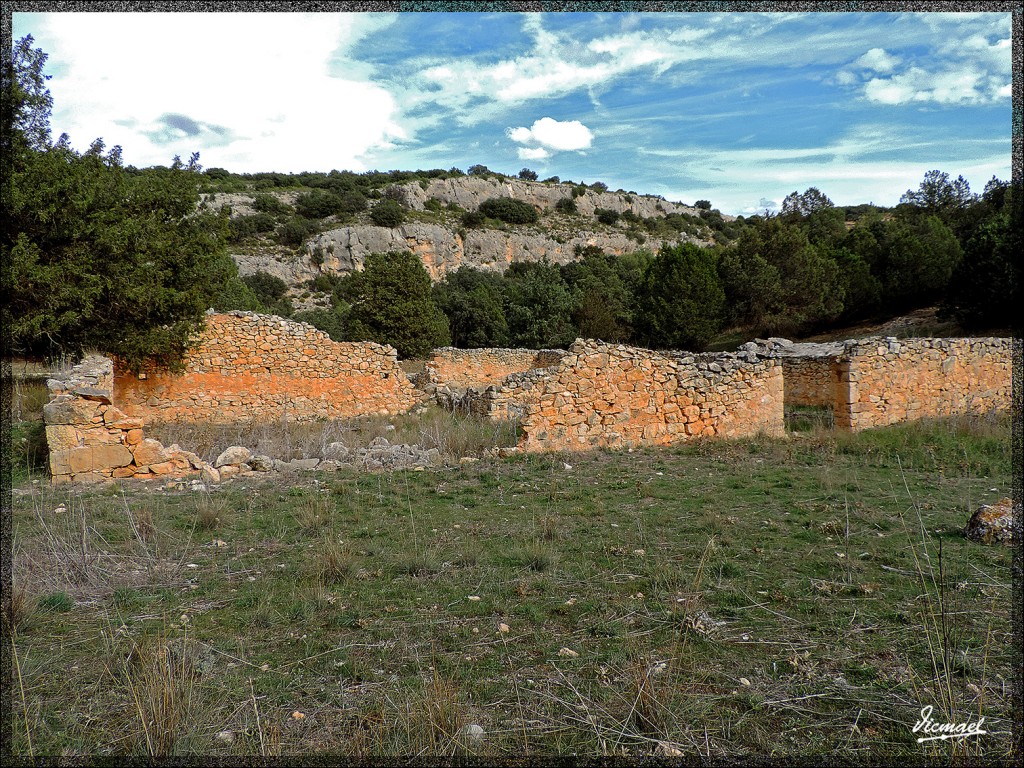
(948, 86)
(878, 60)
(538, 153)
(259, 79)
(554, 134)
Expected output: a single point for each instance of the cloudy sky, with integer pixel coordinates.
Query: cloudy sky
(736, 108)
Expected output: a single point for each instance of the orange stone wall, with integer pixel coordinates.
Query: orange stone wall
(884, 381)
(811, 381)
(480, 368)
(251, 367)
(614, 395)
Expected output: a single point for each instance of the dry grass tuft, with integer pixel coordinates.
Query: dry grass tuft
(212, 511)
(313, 513)
(161, 679)
(17, 610)
(334, 564)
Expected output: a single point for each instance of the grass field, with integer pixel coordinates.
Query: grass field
(805, 596)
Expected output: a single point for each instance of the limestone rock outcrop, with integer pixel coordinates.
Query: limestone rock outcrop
(442, 250)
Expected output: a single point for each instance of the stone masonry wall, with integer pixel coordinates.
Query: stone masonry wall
(250, 367)
(885, 380)
(480, 368)
(613, 395)
(810, 381)
(90, 440)
(510, 398)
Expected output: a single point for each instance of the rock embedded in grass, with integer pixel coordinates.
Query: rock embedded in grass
(994, 524)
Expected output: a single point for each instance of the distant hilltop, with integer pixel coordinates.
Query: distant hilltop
(443, 222)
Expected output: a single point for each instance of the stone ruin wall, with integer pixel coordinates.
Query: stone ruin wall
(509, 398)
(249, 367)
(885, 380)
(613, 395)
(91, 440)
(810, 381)
(480, 368)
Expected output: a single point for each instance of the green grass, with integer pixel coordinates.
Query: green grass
(727, 599)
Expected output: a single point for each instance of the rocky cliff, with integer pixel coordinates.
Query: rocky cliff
(442, 250)
(469, 191)
(444, 247)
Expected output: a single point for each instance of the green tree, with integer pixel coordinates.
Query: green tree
(985, 290)
(27, 102)
(538, 306)
(603, 288)
(387, 213)
(330, 321)
(917, 261)
(527, 175)
(103, 257)
(778, 282)
(472, 301)
(235, 294)
(938, 194)
(271, 292)
(392, 304)
(681, 301)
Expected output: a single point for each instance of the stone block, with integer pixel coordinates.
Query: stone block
(236, 454)
(96, 457)
(149, 451)
(60, 462)
(70, 410)
(62, 437)
(93, 393)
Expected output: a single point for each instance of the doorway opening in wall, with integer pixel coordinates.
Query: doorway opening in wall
(810, 418)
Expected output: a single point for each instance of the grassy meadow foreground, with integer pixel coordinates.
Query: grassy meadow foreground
(799, 596)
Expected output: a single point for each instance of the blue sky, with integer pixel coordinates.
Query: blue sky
(737, 108)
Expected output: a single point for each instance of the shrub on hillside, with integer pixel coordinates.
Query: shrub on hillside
(387, 213)
(317, 204)
(264, 203)
(509, 210)
(248, 226)
(296, 230)
(473, 219)
(566, 205)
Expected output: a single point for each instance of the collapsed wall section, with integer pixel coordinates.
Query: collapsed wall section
(480, 368)
(509, 398)
(249, 367)
(885, 380)
(91, 440)
(613, 395)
